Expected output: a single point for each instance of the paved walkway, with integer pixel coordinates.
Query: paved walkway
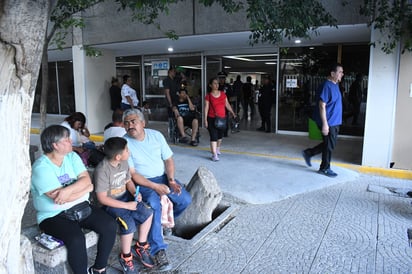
(286, 218)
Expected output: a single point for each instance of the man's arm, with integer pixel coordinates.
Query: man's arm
(170, 171)
(138, 179)
(322, 112)
(169, 99)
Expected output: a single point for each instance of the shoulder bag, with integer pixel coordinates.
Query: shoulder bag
(220, 122)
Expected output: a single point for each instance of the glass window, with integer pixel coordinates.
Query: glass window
(60, 94)
(303, 69)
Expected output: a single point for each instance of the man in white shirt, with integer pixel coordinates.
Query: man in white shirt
(116, 128)
(129, 95)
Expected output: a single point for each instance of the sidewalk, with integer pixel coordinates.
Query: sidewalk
(286, 218)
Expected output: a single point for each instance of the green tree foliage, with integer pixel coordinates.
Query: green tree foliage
(272, 21)
(393, 19)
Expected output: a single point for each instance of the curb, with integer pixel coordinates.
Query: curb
(93, 137)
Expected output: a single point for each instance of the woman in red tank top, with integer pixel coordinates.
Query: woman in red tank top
(216, 104)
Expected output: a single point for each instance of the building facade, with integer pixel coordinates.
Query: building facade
(211, 41)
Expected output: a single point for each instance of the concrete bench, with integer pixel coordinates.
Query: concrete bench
(55, 257)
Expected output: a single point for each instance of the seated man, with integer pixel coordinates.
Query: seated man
(185, 114)
(115, 128)
(152, 167)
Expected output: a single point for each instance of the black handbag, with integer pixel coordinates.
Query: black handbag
(220, 122)
(78, 212)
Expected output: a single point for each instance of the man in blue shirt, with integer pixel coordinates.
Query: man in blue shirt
(328, 116)
(152, 167)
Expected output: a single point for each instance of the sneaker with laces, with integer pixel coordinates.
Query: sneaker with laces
(215, 158)
(91, 270)
(328, 172)
(161, 261)
(143, 255)
(127, 264)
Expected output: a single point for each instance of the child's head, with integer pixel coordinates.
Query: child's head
(182, 93)
(116, 146)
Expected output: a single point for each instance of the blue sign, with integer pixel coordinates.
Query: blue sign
(159, 68)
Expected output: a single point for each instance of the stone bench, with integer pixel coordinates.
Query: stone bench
(45, 259)
(55, 257)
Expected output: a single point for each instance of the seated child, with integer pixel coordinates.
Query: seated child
(117, 193)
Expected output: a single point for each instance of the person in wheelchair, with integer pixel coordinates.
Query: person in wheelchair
(186, 116)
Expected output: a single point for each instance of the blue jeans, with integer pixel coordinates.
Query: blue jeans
(132, 218)
(180, 203)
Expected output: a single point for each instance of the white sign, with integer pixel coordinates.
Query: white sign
(291, 83)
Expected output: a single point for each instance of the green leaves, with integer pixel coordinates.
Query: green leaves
(393, 19)
(63, 21)
(271, 21)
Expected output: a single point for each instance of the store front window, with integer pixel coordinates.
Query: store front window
(302, 70)
(188, 73)
(60, 99)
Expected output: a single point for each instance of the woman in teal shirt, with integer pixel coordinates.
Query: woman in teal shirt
(60, 184)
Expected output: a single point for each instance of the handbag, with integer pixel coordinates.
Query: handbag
(220, 122)
(78, 212)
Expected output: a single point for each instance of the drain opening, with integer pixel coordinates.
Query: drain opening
(189, 234)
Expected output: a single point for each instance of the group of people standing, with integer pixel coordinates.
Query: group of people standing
(123, 97)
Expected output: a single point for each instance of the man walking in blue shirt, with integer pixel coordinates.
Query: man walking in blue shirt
(328, 117)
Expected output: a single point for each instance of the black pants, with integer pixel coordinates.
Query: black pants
(326, 147)
(264, 111)
(248, 103)
(70, 232)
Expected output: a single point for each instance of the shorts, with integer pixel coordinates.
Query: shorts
(130, 217)
(187, 119)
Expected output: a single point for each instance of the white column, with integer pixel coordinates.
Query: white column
(92, 80)
(380, 107)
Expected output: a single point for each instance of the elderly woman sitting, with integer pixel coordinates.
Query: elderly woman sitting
(60, 186)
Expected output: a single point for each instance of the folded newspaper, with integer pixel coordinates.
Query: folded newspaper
(48, 241)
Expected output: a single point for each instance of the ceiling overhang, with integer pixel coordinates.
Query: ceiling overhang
(225, 43)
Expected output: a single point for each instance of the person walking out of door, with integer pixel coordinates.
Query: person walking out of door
(328, 116)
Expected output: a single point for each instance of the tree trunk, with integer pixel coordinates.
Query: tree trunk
(23, 26)
(44, 87)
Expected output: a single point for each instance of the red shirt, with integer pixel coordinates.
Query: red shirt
(217, 105)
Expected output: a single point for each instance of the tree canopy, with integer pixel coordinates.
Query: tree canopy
(393, 19)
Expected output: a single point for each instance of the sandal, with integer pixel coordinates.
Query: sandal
(194, 143)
